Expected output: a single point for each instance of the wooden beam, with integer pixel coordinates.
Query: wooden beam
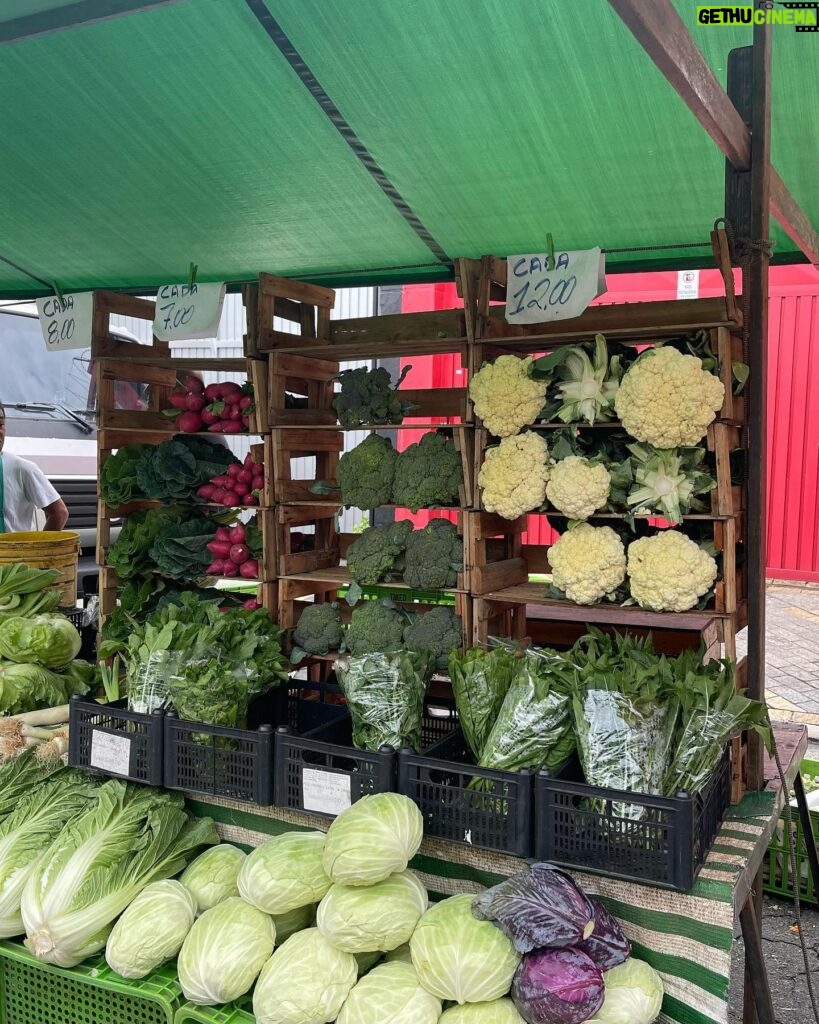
(661, 32)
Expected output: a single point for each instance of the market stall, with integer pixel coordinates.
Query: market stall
(443, 667)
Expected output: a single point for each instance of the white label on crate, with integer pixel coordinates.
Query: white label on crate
(538, 291)
(188, 311)
(688, 284)
(325, 792)
(111, 753)
(67, 325)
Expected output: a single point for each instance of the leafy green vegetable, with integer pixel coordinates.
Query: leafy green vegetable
(385, 697)
(29, 687)
(172, 470)
(48, 640)
(181, 551)
(20, 776)
(390, 992)
(118, 478)
(130, 554)
(369, 918)
(211, 878)
(480, 681)
(285, 873)
(100, 862)
(377, 836)
(151, 930)
(669, 482)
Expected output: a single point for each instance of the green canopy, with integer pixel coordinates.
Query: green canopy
(351, 141)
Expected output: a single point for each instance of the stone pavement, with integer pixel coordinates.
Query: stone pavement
(792, 653)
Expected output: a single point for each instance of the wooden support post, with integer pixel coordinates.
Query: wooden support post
(756, 975)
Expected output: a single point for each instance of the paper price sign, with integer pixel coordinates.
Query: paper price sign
(186, 311)
(539, 290)
(66, 324)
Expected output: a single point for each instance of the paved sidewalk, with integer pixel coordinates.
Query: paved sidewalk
(792, 653)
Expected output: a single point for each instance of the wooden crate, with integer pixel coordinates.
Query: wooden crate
(306, 305)
(306, 380)
(298, 593)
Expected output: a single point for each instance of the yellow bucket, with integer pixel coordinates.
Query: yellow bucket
(46, 549)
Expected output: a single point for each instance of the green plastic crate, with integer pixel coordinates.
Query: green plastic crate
(213, 1015)
(779, 879)
(35, 993)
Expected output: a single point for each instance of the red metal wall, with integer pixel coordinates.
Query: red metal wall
(793, 400)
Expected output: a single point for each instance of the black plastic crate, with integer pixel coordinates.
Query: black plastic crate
(661, 840)
(497, 816)
(108, 739)
(232, 763)
(88, 634)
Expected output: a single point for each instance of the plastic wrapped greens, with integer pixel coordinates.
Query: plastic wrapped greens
(480, 681)
(385, 697)
(534, 726)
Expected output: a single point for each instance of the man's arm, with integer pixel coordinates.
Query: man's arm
(56, 515)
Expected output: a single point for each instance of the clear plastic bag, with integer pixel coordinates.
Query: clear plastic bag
(148, 684)
(385, 697)
(91, 612)
(211, 689)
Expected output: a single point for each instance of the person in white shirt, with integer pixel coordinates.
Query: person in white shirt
(23, 489)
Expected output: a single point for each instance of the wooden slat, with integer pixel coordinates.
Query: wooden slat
(300, 291)
(404, 327)
(792, 218)
(124, 305)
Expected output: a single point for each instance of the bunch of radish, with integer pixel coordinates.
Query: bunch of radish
(241, 484)
(218, 408)
(231, 554)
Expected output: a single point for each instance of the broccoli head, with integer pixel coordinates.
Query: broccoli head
(428, 473)
(438, 631)
(365, 474)
(434, 556)
(378, 553)
(368, 396)
(375, 626)
(319, 629)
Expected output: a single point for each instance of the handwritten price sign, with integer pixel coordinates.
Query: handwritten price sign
(539, 290)
(66, 324)
(188, 311)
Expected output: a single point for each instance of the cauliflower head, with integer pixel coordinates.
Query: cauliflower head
(577, 487)
(587, 563)
(505, 396)
(378, 553)
(375, 626)
(434, 556)
(669, 572)
(319, 629)
(428, 473)
(666, 399)
(514, 475)
(365, 475)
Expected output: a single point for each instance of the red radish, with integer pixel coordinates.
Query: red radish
(230, 569)
(244, 476)
(239, 553)
(218, 494)
(251, 605)
(189, 422)
(208, 417)
(222, 533)
(249, 569)
(237, 534)
(235, 413)
(248, 460)
(258, 483)
(234, 469)
(213, 392)
(195, 403)
(250, 499)
(217, 428)
(245, 402)
(241, 489)
(232, 427)
(216, 567)
(230, 387)
(222, 481)
(219, 548)
(194, 384)
(205, 491)
(179, 401)
(230, 499)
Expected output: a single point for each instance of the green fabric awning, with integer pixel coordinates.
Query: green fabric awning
(332, 140)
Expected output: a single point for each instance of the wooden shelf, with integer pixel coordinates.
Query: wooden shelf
(340, 576)
(374, 426)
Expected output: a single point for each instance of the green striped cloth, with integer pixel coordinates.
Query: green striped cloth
(687, 937)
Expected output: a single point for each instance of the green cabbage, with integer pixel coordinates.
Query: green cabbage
(131, 836)
(498, 1011)
(285, 873)
(306, 981)
(363, 919)
(293, 921)
(373, 839)
(400, 953)
(48, 640)
(151, 930)
(211, 878)
(390, 994)
(634, 994)
(224, 952)
(366, 961)
(460, 958)
(29, 687)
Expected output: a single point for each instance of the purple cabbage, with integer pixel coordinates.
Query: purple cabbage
(607, 945)
(540, 908)
(557, 986)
